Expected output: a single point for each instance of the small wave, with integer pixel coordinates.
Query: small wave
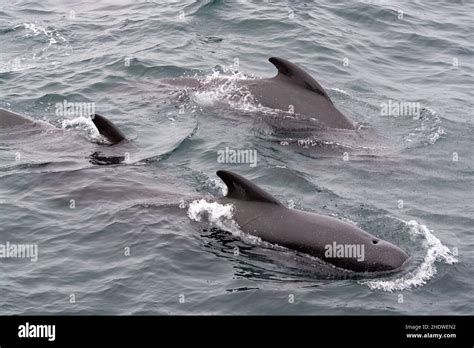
(312, 142)
(435, 251)
(34, 29)
(47, 38)
(435, 135)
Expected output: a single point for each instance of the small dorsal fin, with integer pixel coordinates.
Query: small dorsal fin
(241, 188)
(297, 75)
(108, 129)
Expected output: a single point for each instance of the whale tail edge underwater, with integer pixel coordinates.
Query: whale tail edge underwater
(260, 214)
(10, 119)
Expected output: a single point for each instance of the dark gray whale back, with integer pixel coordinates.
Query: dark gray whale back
(10, 119)
(258, 213)
(294, 90)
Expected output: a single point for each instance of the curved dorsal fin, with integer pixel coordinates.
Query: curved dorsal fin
(297, 75)
(108, 129)
(242, 189)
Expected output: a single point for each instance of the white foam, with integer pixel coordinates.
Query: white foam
(429, 130)
(223, 86)
(86, 124)
(219, 185)
(435, 251)
(435, 135)
(206, 98)
(34, 29)
(34, 57)
(220, 216)
(342, 91)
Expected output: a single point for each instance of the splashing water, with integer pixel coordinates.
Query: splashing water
(221, 216)
(435, 251)
(86, 124)
(224, 86)
(429, 131)
(34, 29)
(218, 215)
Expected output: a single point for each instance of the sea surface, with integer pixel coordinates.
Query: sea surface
(122, 230)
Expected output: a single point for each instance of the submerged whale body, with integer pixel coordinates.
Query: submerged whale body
(259, 214)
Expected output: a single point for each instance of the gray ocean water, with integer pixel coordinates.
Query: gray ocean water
(112, 239)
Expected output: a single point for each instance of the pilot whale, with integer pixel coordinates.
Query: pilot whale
(258, 213)
(339, 243)
(106, 128)
(19, 127)
(291, 90)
